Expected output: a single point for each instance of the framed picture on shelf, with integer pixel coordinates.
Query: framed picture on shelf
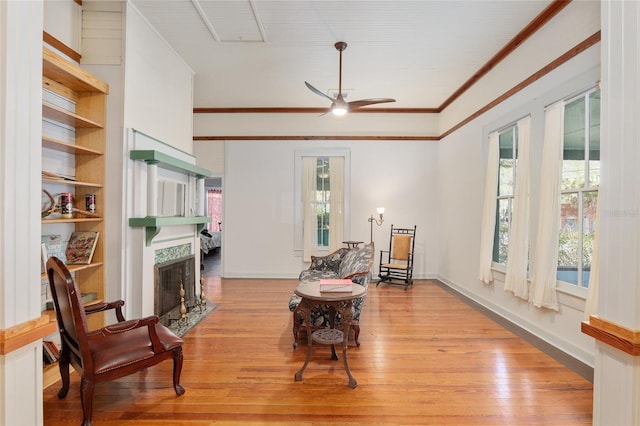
(53, 247)
(81, 246)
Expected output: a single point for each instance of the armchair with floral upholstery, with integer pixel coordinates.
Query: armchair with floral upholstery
(354, 264)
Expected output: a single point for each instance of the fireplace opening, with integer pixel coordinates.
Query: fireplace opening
(168, 276)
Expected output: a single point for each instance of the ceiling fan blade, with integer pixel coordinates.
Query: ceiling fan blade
(317, 92)
(364, 102)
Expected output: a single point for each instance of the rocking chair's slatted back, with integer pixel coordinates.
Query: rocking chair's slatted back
(401, 246)
(72, 320)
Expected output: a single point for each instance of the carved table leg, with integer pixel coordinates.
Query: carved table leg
(346, 316)
(305, 311)
(332, 324)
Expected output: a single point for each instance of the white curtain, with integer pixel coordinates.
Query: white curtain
(545, 265)
(336, 209)
(309, 215)
(591, 305)
(489, 210)
(518, 249)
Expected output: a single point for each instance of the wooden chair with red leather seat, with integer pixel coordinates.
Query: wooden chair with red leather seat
(111, 352)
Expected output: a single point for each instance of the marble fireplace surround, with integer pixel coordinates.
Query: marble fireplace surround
(173, 267)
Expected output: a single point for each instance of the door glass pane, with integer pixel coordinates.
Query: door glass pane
(569, 239)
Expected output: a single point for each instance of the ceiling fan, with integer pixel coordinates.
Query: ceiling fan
(338, 105)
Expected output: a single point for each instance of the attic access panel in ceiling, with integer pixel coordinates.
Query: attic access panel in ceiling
(231, 21)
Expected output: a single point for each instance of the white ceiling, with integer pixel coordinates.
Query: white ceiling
(259, 53)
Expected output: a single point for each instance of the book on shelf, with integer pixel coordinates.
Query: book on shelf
(53, 247)
(336, 286)
(81, 246)
(51, 351)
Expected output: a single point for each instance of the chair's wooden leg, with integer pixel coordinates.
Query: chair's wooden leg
(63, 364)
(177, 370)
(86, 396)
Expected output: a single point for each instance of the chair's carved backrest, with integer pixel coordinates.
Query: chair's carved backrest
(72, 320)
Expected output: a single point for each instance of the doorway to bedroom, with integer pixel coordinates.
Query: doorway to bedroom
(211, 238)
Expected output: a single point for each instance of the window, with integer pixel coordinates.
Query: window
(579, 184)
(323, 200)
(508, 146)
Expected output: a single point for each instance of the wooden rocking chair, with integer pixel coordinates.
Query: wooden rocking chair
(397, 262)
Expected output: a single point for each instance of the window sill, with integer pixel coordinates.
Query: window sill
(568, 294)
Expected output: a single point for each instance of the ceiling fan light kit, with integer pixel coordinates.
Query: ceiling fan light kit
(339, 106)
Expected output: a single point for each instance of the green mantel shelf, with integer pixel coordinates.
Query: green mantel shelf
(153, 224)
(168, 162)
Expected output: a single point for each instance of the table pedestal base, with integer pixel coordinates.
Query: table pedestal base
(329, 336)
(339, 305)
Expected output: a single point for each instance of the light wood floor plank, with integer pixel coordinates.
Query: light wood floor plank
(426, 357)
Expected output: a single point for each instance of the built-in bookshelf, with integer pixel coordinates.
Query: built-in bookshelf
(74, 147)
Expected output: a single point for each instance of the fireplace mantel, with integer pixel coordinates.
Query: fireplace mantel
(152, 222)
(151, 156)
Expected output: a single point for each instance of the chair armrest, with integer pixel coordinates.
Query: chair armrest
(101, 307)
(355, 275)
(125, 326)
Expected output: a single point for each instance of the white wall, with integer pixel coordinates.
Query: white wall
(21, 25)
(158, 85)
(62, 20)
(461, 174)
(576, 22)
(258, 237)
(210, 155)
(296, 124)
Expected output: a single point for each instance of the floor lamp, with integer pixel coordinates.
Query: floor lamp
(378, 222)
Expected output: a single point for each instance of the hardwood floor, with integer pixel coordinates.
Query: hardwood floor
(426, 358)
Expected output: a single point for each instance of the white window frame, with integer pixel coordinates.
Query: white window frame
(513, 127)
(298, 213)
(564, 286)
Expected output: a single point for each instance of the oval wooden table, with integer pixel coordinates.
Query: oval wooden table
(340, 303)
